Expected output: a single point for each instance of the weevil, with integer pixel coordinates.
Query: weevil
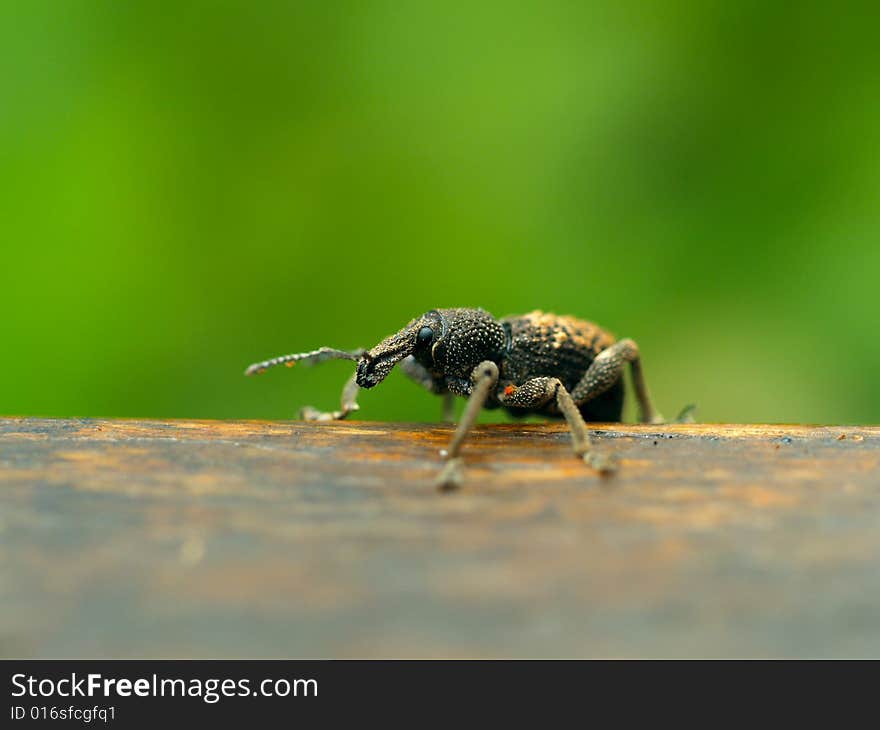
(536, 363)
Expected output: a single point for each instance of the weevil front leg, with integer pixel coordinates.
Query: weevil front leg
(536, 393)
(484, 378)
(348, 404)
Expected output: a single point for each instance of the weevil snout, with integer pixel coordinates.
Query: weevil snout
(374, 366)
(367, 374)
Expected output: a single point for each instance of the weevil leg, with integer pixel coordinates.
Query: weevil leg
(448, 408)
(534, 394)
(484, 378)
(349, 390)
(607, 369)
(348, 404)
(414, 370)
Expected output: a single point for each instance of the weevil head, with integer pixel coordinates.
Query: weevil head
(376, 363)
(445, 341)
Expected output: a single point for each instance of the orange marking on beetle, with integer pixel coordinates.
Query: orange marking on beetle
(510, 390)
(290, 364)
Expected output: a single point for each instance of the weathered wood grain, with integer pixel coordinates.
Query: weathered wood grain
(221, 539)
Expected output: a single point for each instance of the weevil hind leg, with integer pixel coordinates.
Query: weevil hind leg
(687, 414)
(607, 369)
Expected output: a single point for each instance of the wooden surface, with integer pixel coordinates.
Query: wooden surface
(222, 539)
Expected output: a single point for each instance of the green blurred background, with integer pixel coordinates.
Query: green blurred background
(189, 187)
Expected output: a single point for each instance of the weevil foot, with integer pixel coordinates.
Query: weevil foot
(313, 414)
(451, 476)
(602, 462)
(307, 413)
(686, 416)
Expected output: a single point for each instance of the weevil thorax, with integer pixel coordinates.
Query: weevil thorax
(470, 336)
(446, 341)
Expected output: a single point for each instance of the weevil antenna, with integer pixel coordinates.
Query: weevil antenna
(307, 358)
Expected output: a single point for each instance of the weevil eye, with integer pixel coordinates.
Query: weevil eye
(426, 334)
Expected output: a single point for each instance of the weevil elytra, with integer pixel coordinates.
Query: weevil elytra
(540, 363)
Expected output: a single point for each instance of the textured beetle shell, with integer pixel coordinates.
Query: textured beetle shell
(558, 346)
(525, 346)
